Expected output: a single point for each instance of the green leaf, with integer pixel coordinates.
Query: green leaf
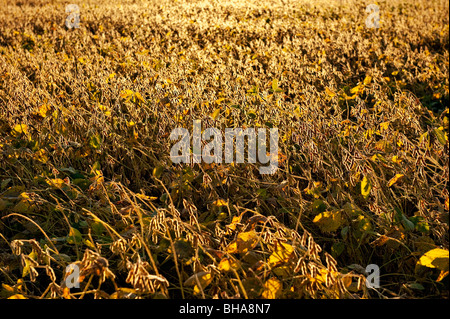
(328, 221)
(425, 138)
(415, 285)
(25, 205)
(364, 223)
(262, 192)
(351, 209)
(4, 204)
(344, 231)
(5, 183)
(157, 171)
(96, 167)
(409, 225)
(319, 206)
(97, 228)
(82, 183)
(367, 80)
(253, 90)
(251, 114)
(441, 135)
(95, 141)
(74, 236)
(337, 249)
(420, 224)
(183, 249)
(69, 170)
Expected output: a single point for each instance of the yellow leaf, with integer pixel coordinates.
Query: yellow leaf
(328, 221)
(56, 182)
(41, 156)
(368, 134)
(367, 80)
(44, 110)
(384, 126)
(383, 146)
(29, 263)
(378, 157)
(18, 296)
(20, 129)
(216, 113)
(329, 92)
(349, 97)
(274, 84)
(442, 275)
(272, 289)
(8, 287)
(219, 101)
(220, 202)
(236, 220)
(357, 89)
(126, 94)
(228, 264)
(321, 277)
(347, 281)
(366, 187)
(395, 179)
(396, 159)
(282, 253)
(243, 243)
(89, 243)
(199, 280)
(66, 293)
(139, 96)
(435, 258)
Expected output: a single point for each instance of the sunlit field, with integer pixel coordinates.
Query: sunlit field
(93, 205)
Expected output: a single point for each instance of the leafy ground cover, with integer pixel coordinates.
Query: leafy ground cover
(86, 176)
